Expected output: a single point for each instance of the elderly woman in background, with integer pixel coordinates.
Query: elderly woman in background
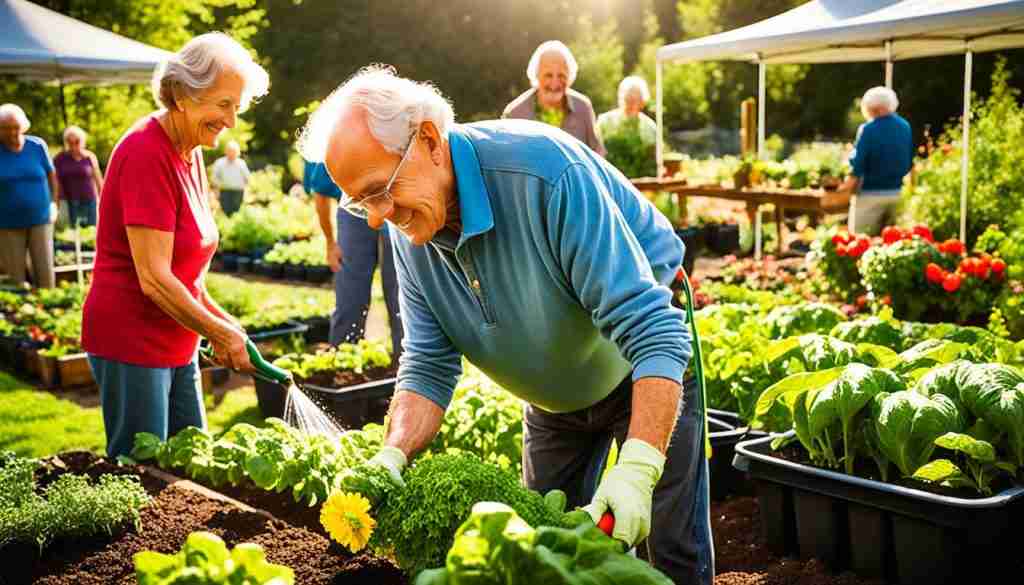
(230, 177)
(552, 71)
(883, 155)
(80, 178)
(28, 196)
(629, 116)
(148, 303)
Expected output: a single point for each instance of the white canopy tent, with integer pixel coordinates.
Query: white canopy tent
(38, 44)
(836, 31)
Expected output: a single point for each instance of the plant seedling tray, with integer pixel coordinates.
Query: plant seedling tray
(319, 329)
(352, 407)
(74, 371)
(290, 327)
(882, 530)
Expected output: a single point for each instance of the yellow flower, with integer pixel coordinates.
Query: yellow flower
(346, 518)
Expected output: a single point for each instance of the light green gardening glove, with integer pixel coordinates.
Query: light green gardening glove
(393, 460)
(628, 491)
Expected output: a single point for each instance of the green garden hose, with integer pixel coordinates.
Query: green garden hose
(698, 361)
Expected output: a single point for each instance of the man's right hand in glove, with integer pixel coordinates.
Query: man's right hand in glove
(393, 460)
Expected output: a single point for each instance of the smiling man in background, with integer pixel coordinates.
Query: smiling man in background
(552, 71)
(525, 251)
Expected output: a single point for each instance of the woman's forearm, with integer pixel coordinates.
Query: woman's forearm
(170, 294)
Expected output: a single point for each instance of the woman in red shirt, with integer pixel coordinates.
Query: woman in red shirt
(148, 303)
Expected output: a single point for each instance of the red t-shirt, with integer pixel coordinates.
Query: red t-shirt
(147, 184)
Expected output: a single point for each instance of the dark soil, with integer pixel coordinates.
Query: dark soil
(293, 538)
(175, 512)
(342, 378)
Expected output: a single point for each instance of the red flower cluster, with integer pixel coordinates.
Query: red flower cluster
(893, 234)
(982, 267)
(852, 245)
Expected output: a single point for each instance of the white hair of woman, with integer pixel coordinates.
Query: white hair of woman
(196, 67)
(630, 84)
(74, 131)
(551, 47)
(15, 112)
(233, 145)
(877, 99)
(395, 107)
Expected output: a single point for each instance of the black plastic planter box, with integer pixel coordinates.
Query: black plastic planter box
(881, 530)
(352, 407)
(229, 262)
(283, 330)
(723, 238)
(318, 274)
(294, 272)
(319, 330)
(244, 264)
(270, 269)
(693, 239)
(726, 480)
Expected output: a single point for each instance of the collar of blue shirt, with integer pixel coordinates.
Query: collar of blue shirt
(474, 201)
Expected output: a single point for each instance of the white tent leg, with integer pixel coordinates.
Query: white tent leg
(761, 154)
(659, 147)
(888, 64)
(964, 163)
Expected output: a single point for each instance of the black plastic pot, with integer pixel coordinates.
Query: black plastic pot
(351, 407)
(693, 239)
(294, 272)
(723, 238)
(9, 352)
(726, 480)
(319, 329)
(284, 330)
(881, 530)
(244, 264)
(318, 274)
(229, 262)
(270, 269)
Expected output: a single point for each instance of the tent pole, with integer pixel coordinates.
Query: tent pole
(761, 93)
(965, 147)
(659, 147)
(888, 64)
(63, 104)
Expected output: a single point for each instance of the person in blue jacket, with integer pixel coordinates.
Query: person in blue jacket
(353, 257)
(883, 155)
(523, 250)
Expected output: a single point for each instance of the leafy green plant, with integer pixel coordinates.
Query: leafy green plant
(907, 424)
(494, 546)
(976, 456)
(628, 151)
(71, 506)
(839, 272)
(897, 272)
(204, 559)
(787, 321)
(357, 357)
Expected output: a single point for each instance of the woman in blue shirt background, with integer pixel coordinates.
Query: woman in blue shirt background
(28, 200)
(883, 155)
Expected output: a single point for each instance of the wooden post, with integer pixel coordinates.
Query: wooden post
(748, 126)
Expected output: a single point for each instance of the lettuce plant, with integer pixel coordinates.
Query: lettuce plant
(907, 424)
(205, 560)
(976, 456)
(995, 393)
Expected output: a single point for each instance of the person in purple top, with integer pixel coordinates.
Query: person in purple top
(28, 195)
(80, 177)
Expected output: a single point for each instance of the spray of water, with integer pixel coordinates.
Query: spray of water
(306, 416)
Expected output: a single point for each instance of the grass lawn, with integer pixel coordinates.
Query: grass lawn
(37, 422)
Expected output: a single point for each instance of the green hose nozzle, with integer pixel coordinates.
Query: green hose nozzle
(264, 368)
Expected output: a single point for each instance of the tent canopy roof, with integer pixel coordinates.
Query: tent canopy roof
(835, 31)
(42, 45)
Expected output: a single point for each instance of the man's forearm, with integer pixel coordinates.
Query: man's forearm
(414, 422)
(323, 213)
(656, 404)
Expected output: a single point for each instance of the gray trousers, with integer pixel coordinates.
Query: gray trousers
(362, 249)
(568, 452)
(18, 244)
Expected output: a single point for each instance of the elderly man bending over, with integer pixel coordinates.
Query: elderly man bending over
(552, 70)
(884, 153)
(528, 253)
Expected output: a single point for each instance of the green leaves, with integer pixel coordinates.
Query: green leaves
(995, 392)
(494, 546)
(205, 560)
(908, 424)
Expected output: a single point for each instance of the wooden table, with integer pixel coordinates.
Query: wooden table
(818, 202)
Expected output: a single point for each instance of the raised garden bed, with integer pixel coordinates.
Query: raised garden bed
(889, 531)
(178, 508)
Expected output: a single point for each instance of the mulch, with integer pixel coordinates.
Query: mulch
(290, 535)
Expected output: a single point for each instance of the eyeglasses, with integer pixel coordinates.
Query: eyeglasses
(381, 200)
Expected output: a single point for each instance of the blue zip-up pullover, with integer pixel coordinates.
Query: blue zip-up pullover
(557, 287)
(884, 154)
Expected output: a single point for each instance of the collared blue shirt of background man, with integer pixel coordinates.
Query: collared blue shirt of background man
(24, 187)
(362, 249)
(884, 154)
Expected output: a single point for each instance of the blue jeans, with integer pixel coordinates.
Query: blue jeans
(81, 211)
(362, 248)
(137, 399)
(568, 452)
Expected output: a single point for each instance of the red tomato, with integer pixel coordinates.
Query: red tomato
(952, 282)
(998, 266)
(934, 273)
(891, 234)
(840, 249)
(842, 237)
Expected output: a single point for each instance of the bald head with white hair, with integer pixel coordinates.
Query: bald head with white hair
(878, 102)
(13, 126)
(362, 132)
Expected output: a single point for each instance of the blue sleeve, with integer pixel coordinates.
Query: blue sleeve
(44, 154)
(607, 268)
(316, 180)
(430, 365)
(860, 151)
